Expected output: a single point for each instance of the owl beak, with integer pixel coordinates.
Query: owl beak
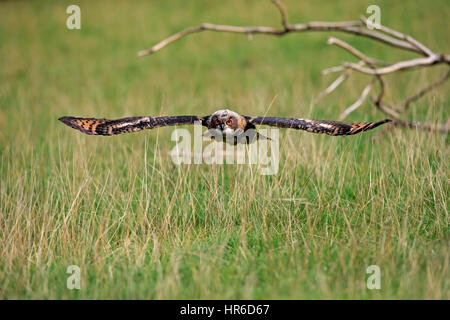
(221, 126)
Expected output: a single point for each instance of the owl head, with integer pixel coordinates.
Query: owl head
(226, 121)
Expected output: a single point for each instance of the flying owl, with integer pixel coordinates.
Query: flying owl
(224, 123)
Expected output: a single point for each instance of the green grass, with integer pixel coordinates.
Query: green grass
(141, 227)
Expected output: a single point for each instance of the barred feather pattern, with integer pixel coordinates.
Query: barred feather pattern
(105, 127)
(332, 128)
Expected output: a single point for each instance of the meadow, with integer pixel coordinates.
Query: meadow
(141, 227)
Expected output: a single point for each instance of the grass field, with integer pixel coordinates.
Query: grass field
(141, 227)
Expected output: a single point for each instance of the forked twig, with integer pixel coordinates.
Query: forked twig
(283, 13)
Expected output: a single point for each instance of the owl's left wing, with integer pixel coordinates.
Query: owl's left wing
(333, 128)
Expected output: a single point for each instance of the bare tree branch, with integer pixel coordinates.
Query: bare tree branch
(283, 12)
(377, 73)
(210, 27)
(358, 102)
(336, 83)
(443, 128)
(359, 55)
(402, 65)
(399, 121)
(425, 90)
(381, 34)
(425, 51)
(352, 27)
(333, 69)
(352, 50)
(342, 68)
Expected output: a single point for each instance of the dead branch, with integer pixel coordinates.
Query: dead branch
(336, 83)
(352, 27)
(402, 65)
(283, 13)
(399, 121)
(366, 65)
(358, 102)
(425, 51)
(425, 90)
(333, 70)
(342, 68)
(360, 55)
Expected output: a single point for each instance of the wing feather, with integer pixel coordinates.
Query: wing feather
(105, 127)
(333, 128)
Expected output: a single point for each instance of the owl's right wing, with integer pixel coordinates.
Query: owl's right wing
(105, 127)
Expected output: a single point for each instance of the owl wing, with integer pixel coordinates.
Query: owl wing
(105, 127)
(333, 128)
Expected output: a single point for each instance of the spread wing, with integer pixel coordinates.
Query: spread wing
(333, 128)
(105, 127)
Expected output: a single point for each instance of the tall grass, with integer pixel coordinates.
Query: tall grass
(141, 227)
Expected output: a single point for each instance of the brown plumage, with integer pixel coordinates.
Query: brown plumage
(224, 122)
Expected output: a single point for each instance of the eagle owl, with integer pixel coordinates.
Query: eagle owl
(224, 123)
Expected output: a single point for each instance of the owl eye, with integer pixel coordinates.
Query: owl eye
(228, 122)
(217, 121)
